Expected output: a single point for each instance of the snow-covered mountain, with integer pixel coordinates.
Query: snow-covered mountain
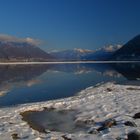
(83, 54)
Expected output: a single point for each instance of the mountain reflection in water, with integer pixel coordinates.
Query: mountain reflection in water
(33, 83)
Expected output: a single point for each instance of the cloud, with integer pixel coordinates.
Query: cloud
(7, 38)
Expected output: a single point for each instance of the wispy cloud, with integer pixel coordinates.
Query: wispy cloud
(7, 38)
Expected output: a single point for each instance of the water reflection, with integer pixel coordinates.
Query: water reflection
(19, 75)
(127, 70)
(32, 83)
(14, 73)
(130, 71)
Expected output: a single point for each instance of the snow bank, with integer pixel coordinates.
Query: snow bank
(94, 104)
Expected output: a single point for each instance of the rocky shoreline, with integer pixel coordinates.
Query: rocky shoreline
(106, 112)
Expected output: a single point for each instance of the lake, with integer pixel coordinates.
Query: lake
(34, 83)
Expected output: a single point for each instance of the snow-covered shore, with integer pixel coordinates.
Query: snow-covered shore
(94, 105)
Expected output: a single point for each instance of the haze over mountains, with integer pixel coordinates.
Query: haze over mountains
(24, 50)
(15, 49)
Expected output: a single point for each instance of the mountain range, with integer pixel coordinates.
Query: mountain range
(21, 51)
(26, 51)
(127, 52)
(104, 53)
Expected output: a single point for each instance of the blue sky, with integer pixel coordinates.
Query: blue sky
(67, 24)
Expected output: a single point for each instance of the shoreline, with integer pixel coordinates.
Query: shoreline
(93, 104)
(65, 62)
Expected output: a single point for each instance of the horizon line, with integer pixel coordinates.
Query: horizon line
(65, 62)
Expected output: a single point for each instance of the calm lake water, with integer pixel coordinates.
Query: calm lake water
(33, 83)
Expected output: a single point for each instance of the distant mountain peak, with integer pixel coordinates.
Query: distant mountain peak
(110, 48)
(83, 50)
